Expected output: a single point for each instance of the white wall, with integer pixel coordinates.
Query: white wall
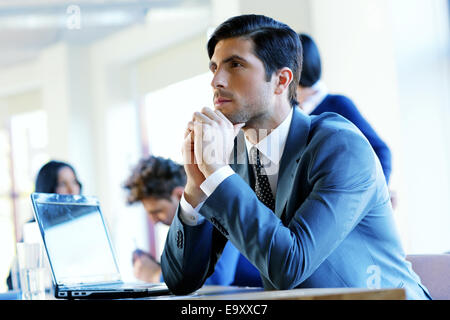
(422, 61)
(296, 14)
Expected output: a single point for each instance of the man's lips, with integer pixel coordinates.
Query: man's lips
(220, 101)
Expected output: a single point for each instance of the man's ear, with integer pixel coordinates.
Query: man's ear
(284, 78)
(177, 192)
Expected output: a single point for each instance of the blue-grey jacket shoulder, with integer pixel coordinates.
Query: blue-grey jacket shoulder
(330, 122)
(336, 147)
(333, 130)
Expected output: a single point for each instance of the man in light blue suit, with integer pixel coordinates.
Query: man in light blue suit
(303, 198)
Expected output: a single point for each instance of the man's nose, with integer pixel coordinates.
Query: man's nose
(219, 79)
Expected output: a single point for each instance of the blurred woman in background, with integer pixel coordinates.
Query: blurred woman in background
(54, 177)
(57, 177)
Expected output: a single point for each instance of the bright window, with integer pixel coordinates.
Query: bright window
(167, 113)
(24, 145)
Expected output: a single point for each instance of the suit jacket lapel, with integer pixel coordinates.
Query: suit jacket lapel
(293, 150)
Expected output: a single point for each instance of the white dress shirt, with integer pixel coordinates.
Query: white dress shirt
(271, 149)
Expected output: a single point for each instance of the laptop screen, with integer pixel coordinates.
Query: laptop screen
(76, 238)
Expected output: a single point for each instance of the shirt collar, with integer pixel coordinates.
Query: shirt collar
(272, 146)
(313, 101)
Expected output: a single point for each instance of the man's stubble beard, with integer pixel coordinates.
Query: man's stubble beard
(241, 116)
(250, 114)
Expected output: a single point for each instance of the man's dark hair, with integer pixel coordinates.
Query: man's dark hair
(274, 43)
(312, 67)
(47, 177)
(154, 177)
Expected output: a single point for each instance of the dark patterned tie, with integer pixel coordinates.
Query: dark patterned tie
(262, 185)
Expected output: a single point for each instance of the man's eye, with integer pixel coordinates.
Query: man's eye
(235, 64)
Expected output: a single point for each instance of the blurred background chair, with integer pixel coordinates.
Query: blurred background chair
(434, 272)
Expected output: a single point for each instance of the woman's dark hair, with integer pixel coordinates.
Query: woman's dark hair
(312, 67)
(275, 44)
(47, 178)
(154, 177)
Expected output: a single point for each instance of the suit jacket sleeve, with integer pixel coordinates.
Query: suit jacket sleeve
(226, 267)
(286, 255)
(190, 255)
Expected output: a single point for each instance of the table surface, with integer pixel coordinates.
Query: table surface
(246, 293)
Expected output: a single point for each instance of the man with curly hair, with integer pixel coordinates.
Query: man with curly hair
(158, 183)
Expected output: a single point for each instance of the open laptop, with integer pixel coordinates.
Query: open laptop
(80, 251)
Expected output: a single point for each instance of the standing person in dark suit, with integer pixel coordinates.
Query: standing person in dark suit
(303, 198)
(314, 99)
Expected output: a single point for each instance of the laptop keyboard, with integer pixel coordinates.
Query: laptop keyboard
(115, 286)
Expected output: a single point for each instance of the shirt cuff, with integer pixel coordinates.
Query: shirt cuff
(188, 215)
(212, 182)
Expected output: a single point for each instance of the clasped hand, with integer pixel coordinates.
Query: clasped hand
(208, 143)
